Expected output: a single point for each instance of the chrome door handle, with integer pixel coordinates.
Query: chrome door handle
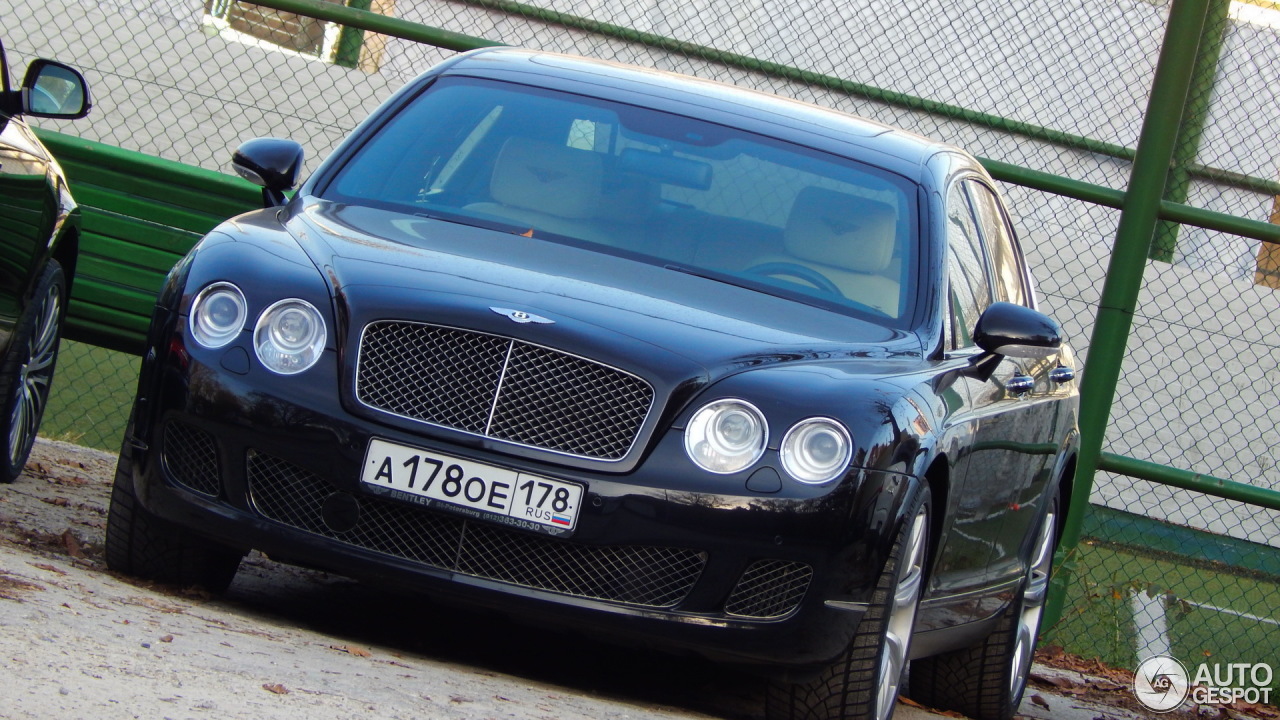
(1062, 374)
(1020, 384)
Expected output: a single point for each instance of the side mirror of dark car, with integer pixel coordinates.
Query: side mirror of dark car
(272, 163)
(54, 90)
(1009, 330)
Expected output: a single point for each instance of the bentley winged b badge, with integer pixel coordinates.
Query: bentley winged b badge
(521, 316)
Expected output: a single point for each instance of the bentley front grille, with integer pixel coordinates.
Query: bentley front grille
(191, 458)
(501, 388)
(769, 589)
(634, 574)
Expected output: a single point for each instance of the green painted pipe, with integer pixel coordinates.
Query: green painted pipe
(347, 50)
(1109, 197)
(1138, 218)
(1194, 118)
(373, 22)
(1188, 480)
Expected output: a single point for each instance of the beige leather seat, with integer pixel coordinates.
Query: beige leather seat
(850, 240)
(546, 187)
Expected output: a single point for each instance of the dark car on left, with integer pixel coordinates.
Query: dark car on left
(39, 238)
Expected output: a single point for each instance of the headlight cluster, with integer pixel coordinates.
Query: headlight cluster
(725, 436)
(288, 337)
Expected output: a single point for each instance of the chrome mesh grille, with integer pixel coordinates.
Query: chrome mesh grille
(769, 589)
(501, 388)
(191, 458)
(636, 575)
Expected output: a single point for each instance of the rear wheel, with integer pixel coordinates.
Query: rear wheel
(863, 683)
(26, 370)
(140, 544)
(987, 681)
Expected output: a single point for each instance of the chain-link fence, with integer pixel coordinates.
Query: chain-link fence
(1059, 88)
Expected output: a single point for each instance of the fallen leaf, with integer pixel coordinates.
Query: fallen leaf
(72, 545)
(166, 639)
(910, 703)
(50, 568)
(58, 501)
(276, 688)
(351, 650)
(1039, 700)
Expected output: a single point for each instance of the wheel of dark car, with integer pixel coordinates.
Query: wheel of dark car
(864, 682)
(986, 681)
(27, 368)
(143, 545)
(795, 270)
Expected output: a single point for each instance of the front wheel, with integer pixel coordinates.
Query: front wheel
(987, 681)
(863, 683)
(143, 545)
(26, 370)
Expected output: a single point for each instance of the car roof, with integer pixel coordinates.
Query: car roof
(802, 122)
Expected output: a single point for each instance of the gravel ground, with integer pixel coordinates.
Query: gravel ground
(79, 642)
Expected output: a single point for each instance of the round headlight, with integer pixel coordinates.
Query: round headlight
(217, 315)
(726, 436)
(816, 450)
(289, 337)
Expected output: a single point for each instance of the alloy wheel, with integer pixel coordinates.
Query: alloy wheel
(902, 615)
(34, 376)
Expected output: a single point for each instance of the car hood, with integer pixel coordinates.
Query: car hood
(618, 310)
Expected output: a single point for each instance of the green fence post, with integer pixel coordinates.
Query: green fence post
(1193, 121)
(347, 51)
(1138, 218)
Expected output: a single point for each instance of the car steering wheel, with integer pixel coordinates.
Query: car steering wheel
(795, 270)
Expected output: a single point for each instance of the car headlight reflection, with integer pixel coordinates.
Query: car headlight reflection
(289, 337)
(726, 436)
(217, 315)
(816, 450)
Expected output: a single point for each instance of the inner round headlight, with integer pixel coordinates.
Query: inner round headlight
(217, 315)
(816, 450)
(289, 337)
(726, 436)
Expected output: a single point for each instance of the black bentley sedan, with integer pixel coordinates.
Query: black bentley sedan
(632, 353)
(39, 239)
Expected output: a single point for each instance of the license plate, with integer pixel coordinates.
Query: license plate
(469, 484)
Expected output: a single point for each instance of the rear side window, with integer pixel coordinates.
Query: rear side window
(1008, 279)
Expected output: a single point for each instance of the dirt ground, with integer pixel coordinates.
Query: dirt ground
(79, 642)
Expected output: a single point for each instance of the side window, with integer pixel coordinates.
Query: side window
(970, 292)
(1008, 279)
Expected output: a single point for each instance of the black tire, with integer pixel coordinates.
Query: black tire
(145, 546)
(862, 684)
(26, 371)
(987, 681)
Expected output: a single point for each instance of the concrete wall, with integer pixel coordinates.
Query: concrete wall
(1198, 390)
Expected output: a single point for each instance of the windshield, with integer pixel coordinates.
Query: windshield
(701, 198)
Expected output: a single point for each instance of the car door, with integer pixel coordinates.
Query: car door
(1014, 442)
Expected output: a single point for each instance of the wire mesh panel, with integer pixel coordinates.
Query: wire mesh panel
(1059, 88)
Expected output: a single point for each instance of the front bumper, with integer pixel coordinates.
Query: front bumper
(253, 461)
